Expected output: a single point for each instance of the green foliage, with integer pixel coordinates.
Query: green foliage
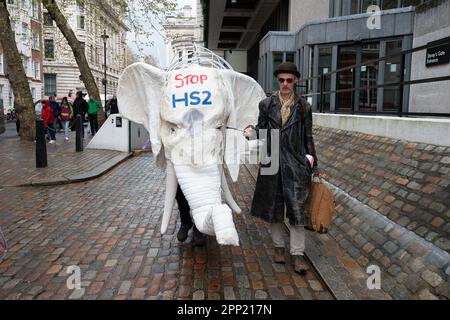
(141, 16)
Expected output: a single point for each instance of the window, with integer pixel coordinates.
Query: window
(49, 49)
(10, 96)
(50, 84)
(367, 3)
(35, 8)
(1, 63)
(13, 28)
(80, 22)
(33, 94)
(36, 41)
(11, 1)
(369, 77)
(37, 70)
(24, 4)
(24, 31)
(325, 57)
(48, 21)
(26, 62)
(92, 53)
(277, 59)
(390, 4)
(393, 72)
(1, 92)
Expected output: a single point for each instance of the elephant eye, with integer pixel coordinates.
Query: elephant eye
(172, 129)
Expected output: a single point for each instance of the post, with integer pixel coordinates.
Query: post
(104, 55)
(322, 89)
(104, 36)
(41, 146)
(79, 134)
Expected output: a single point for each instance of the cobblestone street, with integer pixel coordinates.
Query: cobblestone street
(109, 227)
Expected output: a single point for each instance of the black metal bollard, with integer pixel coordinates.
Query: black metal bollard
(79, 133)
(41, 146)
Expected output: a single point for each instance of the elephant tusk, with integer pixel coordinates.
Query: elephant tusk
(171, 191)
(228, 196)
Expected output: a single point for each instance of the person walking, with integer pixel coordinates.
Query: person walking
(56, 108)
(66, 115)
(94, 106)
(285, 193)
(198, 238)
(113, 107)
(80, 107)
(49, 121)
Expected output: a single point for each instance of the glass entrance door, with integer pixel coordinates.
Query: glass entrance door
(347, 57)
(369, 76)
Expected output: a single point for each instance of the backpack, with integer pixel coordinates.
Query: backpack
(65, 113)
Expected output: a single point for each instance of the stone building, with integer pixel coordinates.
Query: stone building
(26, 23)
(183, 28)
(89, 21)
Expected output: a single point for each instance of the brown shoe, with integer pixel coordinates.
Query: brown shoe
(300, 264)
(279, 255)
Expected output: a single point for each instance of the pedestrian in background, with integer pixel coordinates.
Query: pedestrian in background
(66, 115)
(113, 107)
(80, 107)
(56, 108)
(49, 121)
(94, 106)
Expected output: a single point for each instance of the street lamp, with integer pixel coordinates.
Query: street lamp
(105, 37)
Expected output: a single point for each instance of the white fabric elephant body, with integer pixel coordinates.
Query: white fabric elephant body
(186, 112)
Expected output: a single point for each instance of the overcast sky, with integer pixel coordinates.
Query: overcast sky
(158, 50)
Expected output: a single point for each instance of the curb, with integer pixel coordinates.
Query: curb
(89, 175)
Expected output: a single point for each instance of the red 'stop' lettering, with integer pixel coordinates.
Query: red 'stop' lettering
(189, 79)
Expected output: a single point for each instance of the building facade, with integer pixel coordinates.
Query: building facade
(89, 21)
(183, 29)
(341, 41)
(26, 23)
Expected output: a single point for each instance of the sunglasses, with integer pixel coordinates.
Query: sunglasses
(288, 80)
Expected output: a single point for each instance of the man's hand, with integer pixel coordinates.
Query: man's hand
(249, 132)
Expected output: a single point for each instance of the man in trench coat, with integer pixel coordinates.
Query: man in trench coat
(285, 193)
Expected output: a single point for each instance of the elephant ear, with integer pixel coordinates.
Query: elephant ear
(244, 96)
(139, 98)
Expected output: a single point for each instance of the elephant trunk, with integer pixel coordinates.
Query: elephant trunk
(202, 189)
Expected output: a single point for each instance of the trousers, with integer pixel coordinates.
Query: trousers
(297, 237)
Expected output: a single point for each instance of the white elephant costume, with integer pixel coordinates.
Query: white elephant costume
(187, 112)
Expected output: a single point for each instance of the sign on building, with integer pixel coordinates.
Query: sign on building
(438, 55)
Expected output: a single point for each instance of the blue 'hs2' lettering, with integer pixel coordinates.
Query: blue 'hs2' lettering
(193, 99)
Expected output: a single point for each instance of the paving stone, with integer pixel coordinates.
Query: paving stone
(261, 295)
(229, 293)
(198, 295)
(425, 294)
(444, 290)
(276, 294)
(432, 278)
(77, 294)
(390, 247)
